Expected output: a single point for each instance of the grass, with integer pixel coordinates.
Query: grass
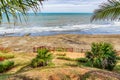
(61, 54)
(5, 50)
(4, 76)
(117, 68)
(23, 59)
(118, 57)
(71, 64)
(66, 58)
(7, 55)
(72, 59)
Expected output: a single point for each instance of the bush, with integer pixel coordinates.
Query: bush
(102, 56)
(6, 56)
(42, 59)
(6, 65)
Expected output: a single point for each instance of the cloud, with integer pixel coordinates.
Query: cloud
(71, 5)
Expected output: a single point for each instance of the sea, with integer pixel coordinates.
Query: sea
(42, 24)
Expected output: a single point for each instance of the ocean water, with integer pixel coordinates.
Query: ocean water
(58, 23)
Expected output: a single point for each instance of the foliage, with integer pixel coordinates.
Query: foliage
(6, 55)
(108, 10)
(6, 65)
(117, 68)
(102, 56)
(15, 7)
(42, 59)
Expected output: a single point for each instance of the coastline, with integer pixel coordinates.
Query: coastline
(81, 41)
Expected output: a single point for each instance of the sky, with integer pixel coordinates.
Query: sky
(70, 6)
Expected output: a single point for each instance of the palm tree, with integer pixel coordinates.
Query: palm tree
(109, 10)
(42, 59)
(15, 7)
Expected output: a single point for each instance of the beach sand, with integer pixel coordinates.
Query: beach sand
(26, 43)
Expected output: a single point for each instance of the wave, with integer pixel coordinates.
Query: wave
(70, 28)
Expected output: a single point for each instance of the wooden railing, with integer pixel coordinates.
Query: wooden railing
(62, 49)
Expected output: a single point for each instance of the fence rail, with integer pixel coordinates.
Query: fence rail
(62, 49)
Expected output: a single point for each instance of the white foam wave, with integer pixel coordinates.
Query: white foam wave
(37, 29)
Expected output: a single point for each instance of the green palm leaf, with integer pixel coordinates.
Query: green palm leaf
(14, 7)
(107, 11)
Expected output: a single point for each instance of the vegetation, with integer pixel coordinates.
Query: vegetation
(61, 54)
(6, 65)
(6, 55)
(42, 59)
(15, 7)
(118, 57)
(117, 68)
(2, 59)
(60, 49)
(65, 58)
(102, 56)
(4, 50)
(82, 60)
(109, 10)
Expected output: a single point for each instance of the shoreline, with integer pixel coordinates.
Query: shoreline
(89, 35)
(81, 41)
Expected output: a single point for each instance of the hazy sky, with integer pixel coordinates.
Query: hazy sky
(71, 5)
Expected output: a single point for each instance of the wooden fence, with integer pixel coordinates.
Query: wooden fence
(62, 49)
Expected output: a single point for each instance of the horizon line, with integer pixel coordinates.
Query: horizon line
(64, 12)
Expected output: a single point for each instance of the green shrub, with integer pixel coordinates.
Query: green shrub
(6, 65)
(43, 58)
(6, 56)
(102, 56)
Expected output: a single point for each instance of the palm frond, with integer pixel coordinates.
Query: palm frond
(13, 7)
(107, 11)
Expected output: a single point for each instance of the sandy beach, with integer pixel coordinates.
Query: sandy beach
(26, 43)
